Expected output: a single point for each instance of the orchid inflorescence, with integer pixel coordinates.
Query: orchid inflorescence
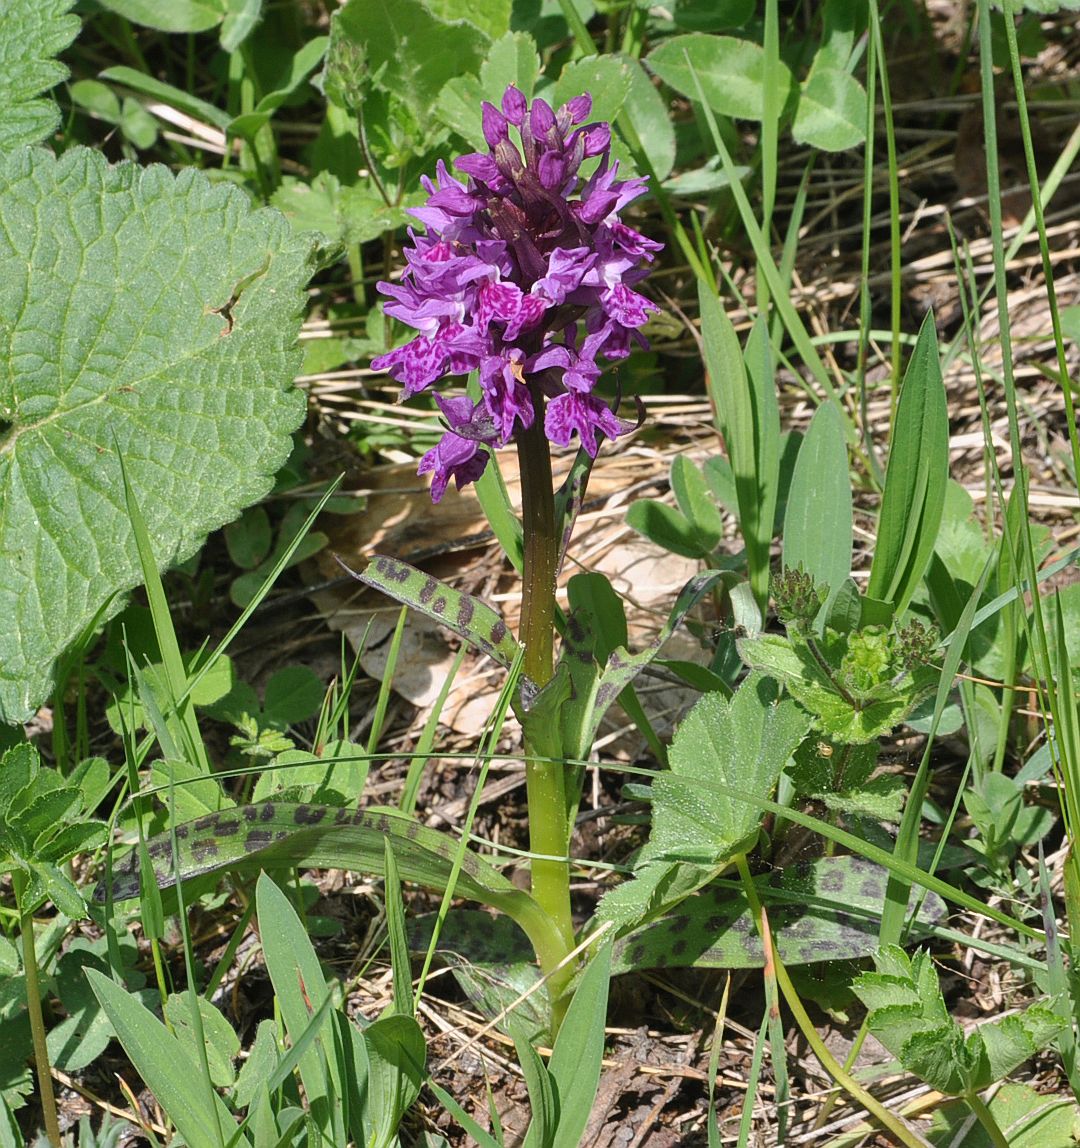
(525, 275)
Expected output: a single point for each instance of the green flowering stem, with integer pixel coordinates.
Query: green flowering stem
(33, 1007)
(549, 830)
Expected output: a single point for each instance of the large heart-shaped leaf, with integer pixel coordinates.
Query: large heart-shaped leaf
(142, 313)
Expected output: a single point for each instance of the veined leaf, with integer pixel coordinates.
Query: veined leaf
(817, 524)
(916, 479)
(143, 311)
(32, 32)
(731, 72)
(163, 1062)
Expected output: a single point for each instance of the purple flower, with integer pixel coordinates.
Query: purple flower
(526, 274)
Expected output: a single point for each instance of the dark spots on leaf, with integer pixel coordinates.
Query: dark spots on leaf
(268, 811)
(439, 605)
(678, 924)
(228, 827)
(182, 832)
(742, 924)
(637, 954)
(660, 961)
(605, 695)
(843, 919)
(498, 632)
(427, 590)
(716, 924)
(204, 823)
(257, 839)
(342, 815)
(870, 888)
(831, 881)
(309, 814)
(204, 850)
(412, 830)
(393, 571)
(281, 835)
(250, 812)
(575, 631)
(465, 610)
(160, 847)
(382, 824)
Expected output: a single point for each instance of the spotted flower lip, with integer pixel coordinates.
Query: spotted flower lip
(525, 274)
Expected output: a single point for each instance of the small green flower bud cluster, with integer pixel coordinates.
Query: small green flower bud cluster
(798, 598)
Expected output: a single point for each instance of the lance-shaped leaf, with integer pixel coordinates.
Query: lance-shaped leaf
(32, 32)
(474, 620)
(140, 312)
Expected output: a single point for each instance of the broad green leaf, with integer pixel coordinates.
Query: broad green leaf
(222, 1043)
(343, 213)
(1030, 1119)
(241, 16)
(397, 1053)
(301, 992)
(32, 33)
(169, 1071)
(832, 111)
(513, 60)
(173, 16)
(731, 72)
(492, 17)
(474, 620)
(407, 50)
(695, 500)
(579, 1049)
(667, 527)
(606, 78)
(538, 1083)
(817, 524)
(907, 1014)
(143, 311)
(645, 109)
(745, 742)
(916, 478)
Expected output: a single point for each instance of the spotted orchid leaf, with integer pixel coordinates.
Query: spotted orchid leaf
(467, 616)
(142, 315)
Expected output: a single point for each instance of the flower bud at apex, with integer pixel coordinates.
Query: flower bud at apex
(494, 124)
(524, 275)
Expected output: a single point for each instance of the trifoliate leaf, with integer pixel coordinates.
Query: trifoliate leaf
(32, 32)
(142, 312)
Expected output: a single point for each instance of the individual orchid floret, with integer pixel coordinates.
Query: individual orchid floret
(526, 274)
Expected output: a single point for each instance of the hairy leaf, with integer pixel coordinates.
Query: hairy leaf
(32, 32)
(142, 312)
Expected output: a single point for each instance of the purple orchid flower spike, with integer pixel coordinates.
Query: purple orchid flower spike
(526, 274)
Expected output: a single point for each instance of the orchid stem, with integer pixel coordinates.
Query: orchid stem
(545, 779)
